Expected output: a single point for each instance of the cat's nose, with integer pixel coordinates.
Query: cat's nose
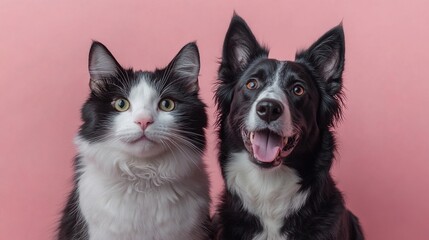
(144, 122)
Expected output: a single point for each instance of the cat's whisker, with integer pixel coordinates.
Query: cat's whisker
(189, 142)
(171, 150)
(184, 152)
(187, 132)
(122, 76)
(165, 76)
(171, 84)
(183, 139)
(128, 81)
(190, 148)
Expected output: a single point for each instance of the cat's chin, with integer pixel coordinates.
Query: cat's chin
(140, 149)
(144, 148)
(139, 140)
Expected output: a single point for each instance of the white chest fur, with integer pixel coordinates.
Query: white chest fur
(269, 194)
(125, 203)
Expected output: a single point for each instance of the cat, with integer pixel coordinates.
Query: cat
(139, 172)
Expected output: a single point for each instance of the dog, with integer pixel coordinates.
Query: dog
(276, 142)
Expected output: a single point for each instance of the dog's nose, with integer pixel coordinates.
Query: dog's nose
(269, 109)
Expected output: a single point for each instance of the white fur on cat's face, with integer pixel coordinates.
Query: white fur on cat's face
(144, 101)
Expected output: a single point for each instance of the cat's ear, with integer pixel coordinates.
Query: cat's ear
(185, 67)
(326, 56)
(240, 46)
(102, 66)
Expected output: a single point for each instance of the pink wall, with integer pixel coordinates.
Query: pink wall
(383, 160)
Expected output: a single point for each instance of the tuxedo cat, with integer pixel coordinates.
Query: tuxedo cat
(139, 173)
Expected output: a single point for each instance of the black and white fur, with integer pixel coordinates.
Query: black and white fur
(139, 172)
(285, 193)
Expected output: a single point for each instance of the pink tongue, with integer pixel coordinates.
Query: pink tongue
(266, 146)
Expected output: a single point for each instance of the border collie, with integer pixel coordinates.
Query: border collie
(276, 143)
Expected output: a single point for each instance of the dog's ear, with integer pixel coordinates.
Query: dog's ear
(325, 58)
(185, 67)
(240, 46)
(102, 67)
(239, 49)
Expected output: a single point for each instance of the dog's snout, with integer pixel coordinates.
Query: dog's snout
(269, 109)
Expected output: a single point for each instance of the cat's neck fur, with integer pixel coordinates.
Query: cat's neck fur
(120, 196)
(143, 173)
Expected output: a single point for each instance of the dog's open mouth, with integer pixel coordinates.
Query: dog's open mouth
(267, 147)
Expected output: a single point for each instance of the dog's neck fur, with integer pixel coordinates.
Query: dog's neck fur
(274, 194)
(305, 155)
(270, 194)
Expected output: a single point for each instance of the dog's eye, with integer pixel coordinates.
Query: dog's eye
(121, 104)
(252, 84)
(298, 90)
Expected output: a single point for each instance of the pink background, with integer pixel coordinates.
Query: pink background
(382, 166)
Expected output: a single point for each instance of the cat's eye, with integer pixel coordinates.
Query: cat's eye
(252, 84)
(298, 90)
(166, 105)
(121, 104)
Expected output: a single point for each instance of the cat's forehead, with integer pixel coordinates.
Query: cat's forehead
(155, 79)
(143, 89)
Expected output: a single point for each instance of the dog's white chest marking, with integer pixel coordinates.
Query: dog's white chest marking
(269, 194)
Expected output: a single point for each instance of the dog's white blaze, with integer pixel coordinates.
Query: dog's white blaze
(270, 194)
(123, 196)
(273, 91)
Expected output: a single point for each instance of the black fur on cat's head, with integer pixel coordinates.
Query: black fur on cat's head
(141, 112)
(289, 106)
